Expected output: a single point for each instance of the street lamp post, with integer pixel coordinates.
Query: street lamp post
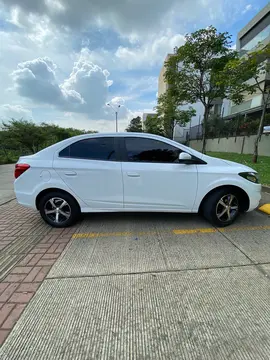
(116, 115)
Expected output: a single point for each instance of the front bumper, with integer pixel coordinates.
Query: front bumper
(255, 195)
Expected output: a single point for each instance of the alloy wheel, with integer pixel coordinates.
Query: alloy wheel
(57, 210)
(227, 208)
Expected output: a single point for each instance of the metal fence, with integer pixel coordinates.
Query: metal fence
(218, 127)
(196, 132)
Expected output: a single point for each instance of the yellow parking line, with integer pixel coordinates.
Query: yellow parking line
(213, 230)
(94, 235)
(194, 231)
(265, 208)
(175, 232)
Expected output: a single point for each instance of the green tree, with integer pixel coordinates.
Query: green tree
(153, 125)
(247, 76)
(55, 133)
(135, 125)
(170, 114)
(195, 72)
(25, 134)
(20, 137)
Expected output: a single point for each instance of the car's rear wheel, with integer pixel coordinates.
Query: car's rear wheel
(59, 209)
(222, 207)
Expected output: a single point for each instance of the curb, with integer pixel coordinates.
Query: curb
(266, 189)
(265, 209)
(8, 201)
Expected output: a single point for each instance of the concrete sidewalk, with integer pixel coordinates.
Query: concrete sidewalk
(137, 286)
(6, 183)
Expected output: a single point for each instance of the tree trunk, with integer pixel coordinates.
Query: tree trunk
(205, 121)
(172, 129)
(168, 126)
(260, 131)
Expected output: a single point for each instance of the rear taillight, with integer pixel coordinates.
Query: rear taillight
(20, 169)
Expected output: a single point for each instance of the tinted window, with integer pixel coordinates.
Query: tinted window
(148, 150)
(91, 149)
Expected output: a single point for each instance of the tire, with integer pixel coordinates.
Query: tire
(59, 209)
(222, 207)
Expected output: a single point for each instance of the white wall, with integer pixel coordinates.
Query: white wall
(180, 132)
(240, 144)
(226, 108)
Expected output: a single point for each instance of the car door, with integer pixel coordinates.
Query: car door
(91, 169)
(154, 178)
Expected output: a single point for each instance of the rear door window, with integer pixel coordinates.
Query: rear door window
(91, 149)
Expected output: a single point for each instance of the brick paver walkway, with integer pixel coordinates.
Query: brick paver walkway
(28, 250)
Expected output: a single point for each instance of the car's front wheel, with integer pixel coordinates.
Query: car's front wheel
(59, 209)
(222, 207)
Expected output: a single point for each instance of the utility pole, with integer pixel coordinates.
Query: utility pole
(116, 115)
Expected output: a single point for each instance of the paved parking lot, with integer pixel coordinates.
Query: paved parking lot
(134, 286)
(6, 183)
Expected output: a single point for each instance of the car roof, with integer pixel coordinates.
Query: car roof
(119, 134)
(62, 144)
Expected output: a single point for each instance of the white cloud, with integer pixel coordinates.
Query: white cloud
(91, 82)
(36, 80)
(79, 87)
(151, 53)
(147, 53)
(142, 85)
(24, 45)
(247, 8)
(81, 121)
(8, 111)
(84, 91)
(126, 16)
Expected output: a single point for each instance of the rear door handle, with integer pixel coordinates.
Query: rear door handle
(70, 173)
(134, 175)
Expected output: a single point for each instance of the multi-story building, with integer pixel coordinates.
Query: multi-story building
(255, 33)
(146, 114)
(162, 84)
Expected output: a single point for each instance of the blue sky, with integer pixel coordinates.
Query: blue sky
(62, 61)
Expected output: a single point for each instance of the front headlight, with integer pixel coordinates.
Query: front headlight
(250, 176)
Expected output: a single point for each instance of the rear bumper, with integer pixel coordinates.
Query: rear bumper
(27, 200)
(255, 195)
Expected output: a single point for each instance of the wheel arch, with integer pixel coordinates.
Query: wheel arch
(49, 190)
(244, 198)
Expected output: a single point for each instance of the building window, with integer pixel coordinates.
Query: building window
(258, 38)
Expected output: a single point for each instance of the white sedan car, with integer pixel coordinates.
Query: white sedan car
(132, 172)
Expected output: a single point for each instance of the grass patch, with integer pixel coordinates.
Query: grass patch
(262, 166)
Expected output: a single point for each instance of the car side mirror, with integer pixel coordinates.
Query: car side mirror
(185, 158)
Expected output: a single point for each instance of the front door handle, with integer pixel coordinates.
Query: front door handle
(70, 173)
(134, 175)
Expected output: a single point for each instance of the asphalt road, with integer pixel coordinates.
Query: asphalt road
(6, 183)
